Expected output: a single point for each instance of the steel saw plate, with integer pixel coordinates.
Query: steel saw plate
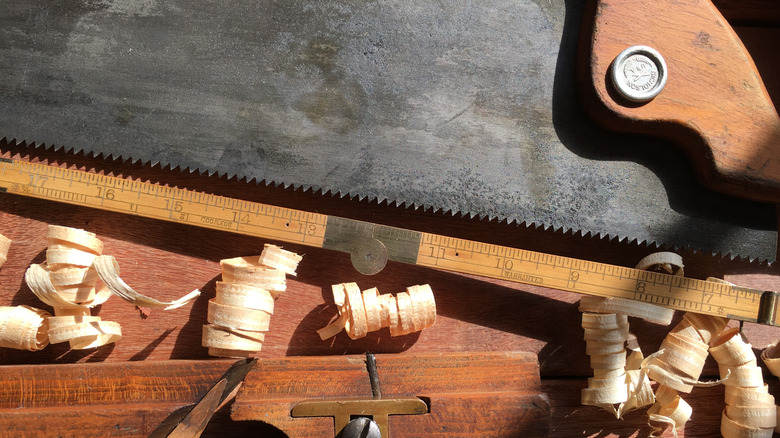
(460, 106)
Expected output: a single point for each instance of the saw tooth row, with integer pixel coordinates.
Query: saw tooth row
(402, 204)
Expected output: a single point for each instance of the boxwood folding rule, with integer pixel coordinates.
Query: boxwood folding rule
(372, 245)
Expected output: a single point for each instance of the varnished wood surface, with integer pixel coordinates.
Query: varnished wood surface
(714, 105)
(168, 260)
(494, 393)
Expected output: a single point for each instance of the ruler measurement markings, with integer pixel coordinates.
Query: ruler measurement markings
(449, 253)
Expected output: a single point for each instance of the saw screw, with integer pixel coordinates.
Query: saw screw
(639, 73)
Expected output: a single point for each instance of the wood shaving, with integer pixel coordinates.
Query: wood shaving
(771, 358)
(368, 311)
(620, 382)
(750, 409)
(675, 367)
(23, 328)
(240, 313)
(614, 387)
(668, 262)
(275, 257)
(5, 244)
(68, 283)
(250, 271)
(108, 270)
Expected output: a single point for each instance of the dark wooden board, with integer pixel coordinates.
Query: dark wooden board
(498, 394)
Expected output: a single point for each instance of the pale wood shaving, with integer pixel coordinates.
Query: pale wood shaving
(620, 383)
(362, 312)
(277, 258)
(38, 280)
(69, 257)
(240, 313)
(23, 328)
(87, 334)
(771, 358)
(5, 245)
(223, 338)
(676, 366)
(244, 295)
(665, 261)
(67, 282)
(611, 386)
(750, 410)
(108, 271)
(74, 238)
(639, 309)
(249, 270)
(234, 317)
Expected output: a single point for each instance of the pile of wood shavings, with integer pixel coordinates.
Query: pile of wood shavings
(68, 281)
(240, 314)
(621, 384)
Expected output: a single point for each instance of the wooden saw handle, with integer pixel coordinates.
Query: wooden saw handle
(714, 104)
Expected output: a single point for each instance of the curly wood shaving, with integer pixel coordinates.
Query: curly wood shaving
(244, 295)
(108, 271)
(362, 312)
(240, 314)
(242, 318)
(639, 309)
(89, 333)
(223, 338)
(5, 245)
(74, 238)
(39, 282)
(610, 385)
(605, 323)
(23, 328)
(277, 258)
(706, 327)
(750, 410)
(69, 257)
(249, 270)
(771, 358)
(67, 282)
(669, 262)
(678, 363)
(676, 366)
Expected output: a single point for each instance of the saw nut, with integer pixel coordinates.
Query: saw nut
(639, 73)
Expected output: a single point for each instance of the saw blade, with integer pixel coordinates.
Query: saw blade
(460, 106)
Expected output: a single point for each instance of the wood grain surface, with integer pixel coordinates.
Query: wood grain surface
(167, 260)
(714, 105)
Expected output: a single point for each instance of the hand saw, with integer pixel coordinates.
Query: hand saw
(463, 107)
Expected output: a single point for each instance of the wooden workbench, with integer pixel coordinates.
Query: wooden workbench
(167, 260)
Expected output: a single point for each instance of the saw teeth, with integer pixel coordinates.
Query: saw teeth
(321, 191)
